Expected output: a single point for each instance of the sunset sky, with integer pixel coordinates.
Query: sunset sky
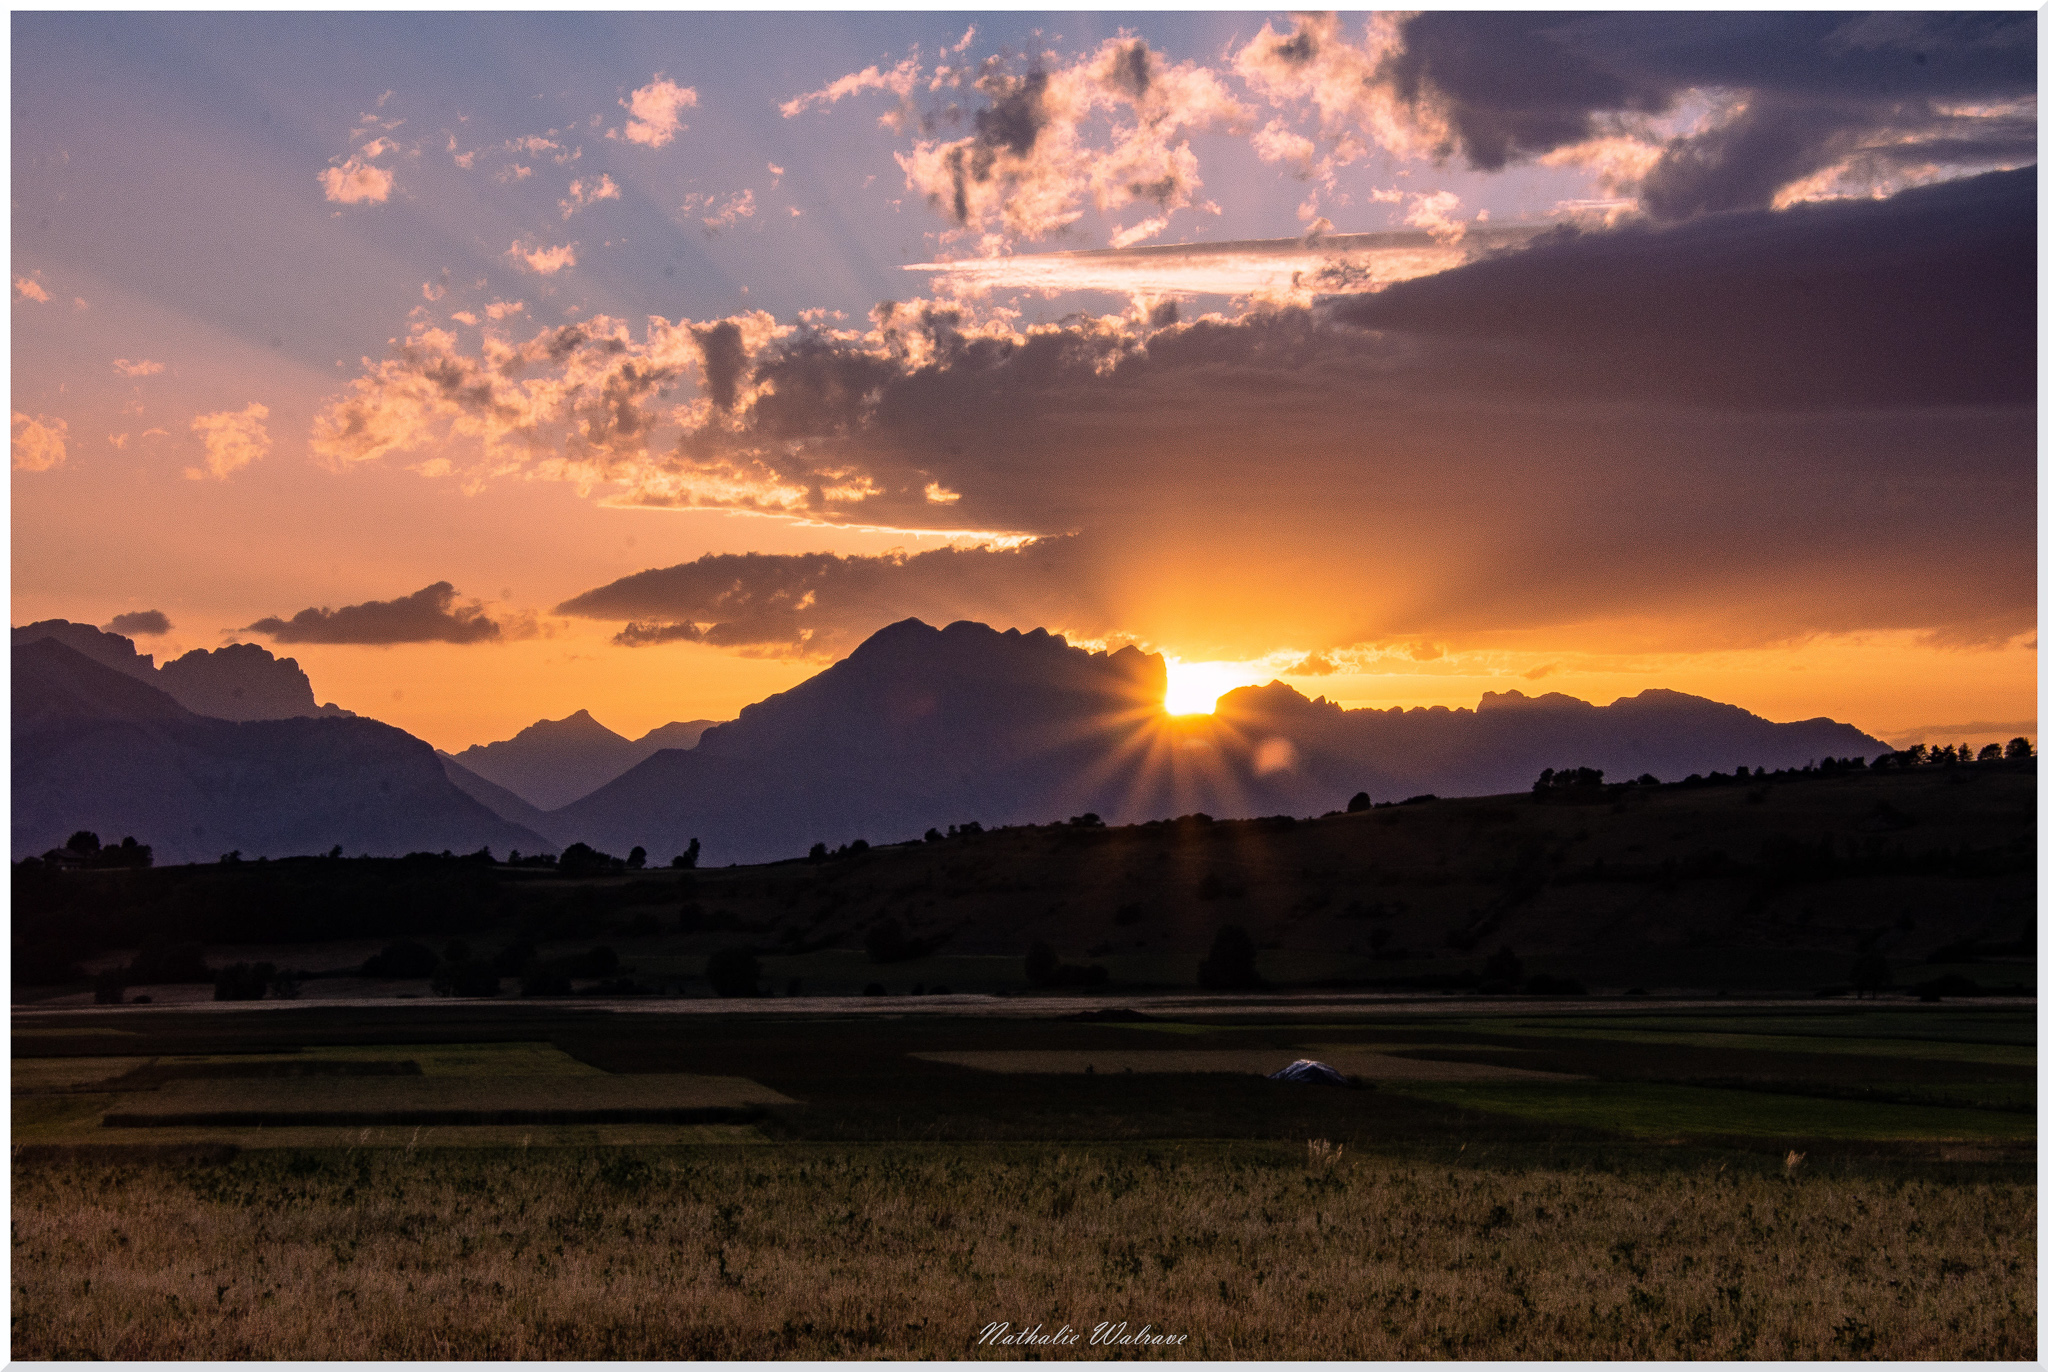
(500, 366)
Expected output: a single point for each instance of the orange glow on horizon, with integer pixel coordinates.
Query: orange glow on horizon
(1192, 688)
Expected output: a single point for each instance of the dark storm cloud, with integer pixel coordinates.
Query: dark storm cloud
(429, 615)
(822, 604)
(1911, 301)
(144, 622)
(725, 362)
(1871, 98)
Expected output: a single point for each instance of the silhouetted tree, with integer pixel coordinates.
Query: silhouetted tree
(688, 857)
(1869, 974)
(402, 959)
(1503, 971)
(582, 860)
(1359, 802)
(1992, 752)
(1232, 964)
(733, 972)
(243, 981)
(2019, 750)
(636, 859)
(110, 987)
(1041, 964)
(819, 852)
(84, 843)
(160, 963)
(466, 978)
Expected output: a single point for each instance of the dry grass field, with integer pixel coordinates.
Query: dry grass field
(1249, 1250)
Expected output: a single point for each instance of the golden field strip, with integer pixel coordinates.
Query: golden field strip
(803, 1251)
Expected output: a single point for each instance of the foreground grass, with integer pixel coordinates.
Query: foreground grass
(1250, 1250)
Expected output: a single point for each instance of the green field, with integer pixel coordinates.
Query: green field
(498, 1180)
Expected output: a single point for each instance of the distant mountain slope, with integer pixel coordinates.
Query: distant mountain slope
(499, 801)
(94, 748)
(1501, 746)
(555, 761)
(241, 681)
(921, 727)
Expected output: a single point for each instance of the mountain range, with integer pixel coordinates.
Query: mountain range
(923, 727)
(95, 748)
(918, 728)
(552, 762)
(240, 682)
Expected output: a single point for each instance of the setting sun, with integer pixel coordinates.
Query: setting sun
(1192, 688)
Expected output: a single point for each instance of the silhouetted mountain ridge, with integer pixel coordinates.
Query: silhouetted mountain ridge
(922, 727)
(242, 681)
(95, 748)
(554, 761)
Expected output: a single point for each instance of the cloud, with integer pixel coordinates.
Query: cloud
(1315, 664)
(28, 289)
(430, 615)
(233, 439)
(1289, 269)
(543, 261)
(1595, 439)
(1108, 128)
(504, 309)
(356, 182)
(655, 112)
(583, 194)
(38, 443)
(821, 604)
(1803, 307)
(719, 212)
(1681, 114)
(139, 368)
(140, 623)
(901, 80)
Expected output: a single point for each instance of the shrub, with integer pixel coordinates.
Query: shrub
(466, 978)
(1232, 964)
(582, 860)
(1041, 964)
(733, 972)
(403, 959)
(545, 980)
(158, 962)
(243, 981)
(1359, 802)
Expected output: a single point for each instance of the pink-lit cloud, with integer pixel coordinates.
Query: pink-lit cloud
(543, 261)
(232, 439)
(37, 442)
(655, 112)
(356, 182)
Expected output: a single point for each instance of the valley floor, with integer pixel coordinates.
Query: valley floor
(499, 1181)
